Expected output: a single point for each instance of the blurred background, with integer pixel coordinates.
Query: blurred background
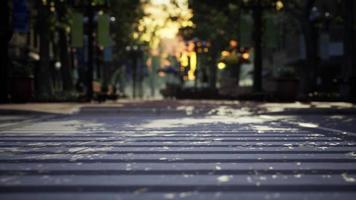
(84, 50)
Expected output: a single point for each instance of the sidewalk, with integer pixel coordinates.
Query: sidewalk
(335, 115)
(45, 108)
(255, 107)
(16, 115)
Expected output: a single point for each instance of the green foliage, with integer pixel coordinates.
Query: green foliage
(127, 14)
(217, 22)
(215, 19)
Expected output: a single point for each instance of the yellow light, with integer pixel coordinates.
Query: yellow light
(135, 35)
(279, 5)
(157, 2)
(157, 22)
(246, 56)
(191, 46)
(221, 65)
(193, 66)
(233, 43)
(184, 60)
(225, 54)
(187, 24)
(190, 24)
(141, 28)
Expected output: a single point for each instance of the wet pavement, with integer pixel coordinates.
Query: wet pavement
(171, 151)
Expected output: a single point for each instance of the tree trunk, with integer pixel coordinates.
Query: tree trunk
(67, 80)
(311, 53)
(5, 35)
(347, 87)
(311, 48)
(215, 54)
(257, 72)
(45, 88)
(237, 68)
(90, 69)
(134, 74)
(213, 73)
(65, 61)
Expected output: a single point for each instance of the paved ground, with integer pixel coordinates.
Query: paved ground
(179, 150)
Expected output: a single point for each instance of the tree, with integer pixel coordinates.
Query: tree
(5, 35)
(44, 81)
(62, 24)
(302, 12)
(127, 14)
(222, 17)
(217, 22)
(348, 88)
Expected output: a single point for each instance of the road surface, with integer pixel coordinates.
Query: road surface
(179, 152)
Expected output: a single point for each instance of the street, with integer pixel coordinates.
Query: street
(177, 99)
(181, 150)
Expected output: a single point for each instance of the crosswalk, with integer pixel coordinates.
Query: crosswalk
(198, 161)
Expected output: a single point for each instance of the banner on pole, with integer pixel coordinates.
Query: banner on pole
(77, 30)
(103, 34)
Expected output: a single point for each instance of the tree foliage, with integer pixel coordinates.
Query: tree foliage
(127, 14)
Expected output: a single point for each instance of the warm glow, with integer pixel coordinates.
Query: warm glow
(221, 65)
(191, 46)
(158, 24)
(279, 5)
(225, 53)
(184, 60)
(157, 2)
(233, 43)
(246, 55)
(193, 66)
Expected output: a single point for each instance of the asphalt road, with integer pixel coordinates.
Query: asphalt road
(176, 153)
